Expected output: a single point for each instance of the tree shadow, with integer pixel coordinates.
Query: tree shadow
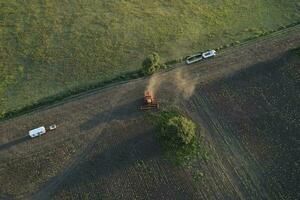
(14, 142)
(258, 106)
(123, 112)
(116, 159)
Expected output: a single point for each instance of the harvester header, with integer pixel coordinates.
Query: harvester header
(149, 101)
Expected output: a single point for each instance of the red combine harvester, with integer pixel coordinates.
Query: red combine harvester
(149, 102)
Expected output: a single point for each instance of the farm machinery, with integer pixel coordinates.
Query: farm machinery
(149, 102)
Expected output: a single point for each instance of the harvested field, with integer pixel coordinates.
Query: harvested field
(261, 108)
(104, 147)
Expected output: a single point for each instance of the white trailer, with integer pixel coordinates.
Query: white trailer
(194, 58)
(37, 132)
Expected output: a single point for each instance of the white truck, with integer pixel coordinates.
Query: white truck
(40, 131)
(197, 57)
(37, 132)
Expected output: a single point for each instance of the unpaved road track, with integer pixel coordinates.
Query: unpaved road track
(90, 119)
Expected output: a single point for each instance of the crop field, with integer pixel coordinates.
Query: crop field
(261, 108)
(105, 148)
(54, 47)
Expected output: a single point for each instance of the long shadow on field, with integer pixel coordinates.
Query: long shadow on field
(14, 142)
(123, 112)
(113, 164)
(4, 196)
(260, 107)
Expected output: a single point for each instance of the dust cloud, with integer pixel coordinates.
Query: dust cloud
(180, 82)
(153, 84)
(184, 83)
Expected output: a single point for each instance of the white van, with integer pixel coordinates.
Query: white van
(37, 132)
(209, 54)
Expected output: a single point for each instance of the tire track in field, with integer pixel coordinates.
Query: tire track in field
(234, 159)
(214, 68)
(57, 136)
(237, 175)
(53, 183)
(236, 172)
(214, 170)
(228, 147)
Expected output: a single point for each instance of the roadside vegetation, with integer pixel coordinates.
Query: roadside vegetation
(51, 49)
(152, 64)
(105, 149)
(297, 51)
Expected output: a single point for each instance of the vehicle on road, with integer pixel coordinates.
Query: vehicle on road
(197, 57)
(209, 54)
(37, 132)
(52, 127)
(194, 58)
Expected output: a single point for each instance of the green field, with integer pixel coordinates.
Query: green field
(53, 46)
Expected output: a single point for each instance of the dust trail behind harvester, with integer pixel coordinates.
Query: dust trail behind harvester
(181, 82)
(184, 84)
(153, 84)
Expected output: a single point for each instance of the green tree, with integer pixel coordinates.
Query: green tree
(174, 128)
(177, 136)
(178, 131)
(183, 128)
(151, 64)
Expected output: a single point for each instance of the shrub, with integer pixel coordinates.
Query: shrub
(151, 64)
(177, 136)
(178, 131)
(173, 128)
(2, 114)
(179, 60)
(171, 62)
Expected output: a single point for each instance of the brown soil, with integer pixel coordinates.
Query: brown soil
(105, 148)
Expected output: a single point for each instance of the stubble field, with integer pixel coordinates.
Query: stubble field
(105, 148)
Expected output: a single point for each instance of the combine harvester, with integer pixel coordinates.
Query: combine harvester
(149, 102)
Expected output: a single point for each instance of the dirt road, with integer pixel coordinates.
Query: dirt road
(101, 131)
